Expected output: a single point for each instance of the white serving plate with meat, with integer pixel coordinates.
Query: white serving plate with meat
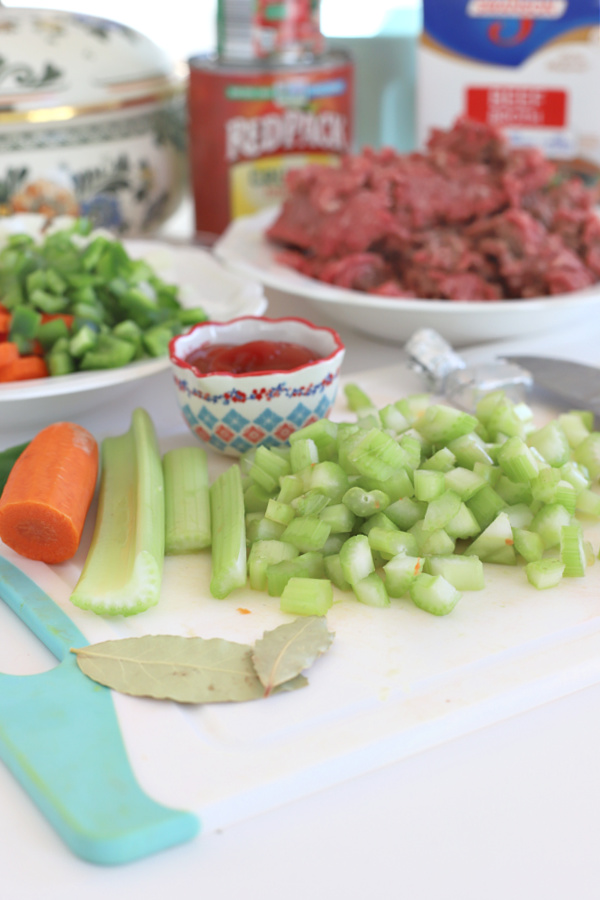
(247, 251)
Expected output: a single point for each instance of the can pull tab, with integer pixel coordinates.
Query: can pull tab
(447, 374)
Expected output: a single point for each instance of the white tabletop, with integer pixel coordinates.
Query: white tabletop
(509, 810)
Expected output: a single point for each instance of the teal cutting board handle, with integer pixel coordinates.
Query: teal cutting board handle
(60, 736)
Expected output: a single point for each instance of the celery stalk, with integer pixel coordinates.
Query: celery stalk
(390, 543)
(264, 554)
(333, 570)
(405, 512)
(365, 503)
(303, 453)
(528, 544)
(279, 512)
(544, 573)
(306, 565)
(517, 461)
(228, 527)
(356, 559)
(429, 484)
(312, 503)
(443, 460)
(572, 551)
(358, 401)
(187, 505)
(259, 528)
(434, 594)
(307, 533)
(400, 572)
(442, 424)
(339, 518)
(495, 544)
(465, 573)
(323, 432)
(587, 453)
(588, 502)
(371, 591)
(552, 442)
(307, 596)
(122, 573)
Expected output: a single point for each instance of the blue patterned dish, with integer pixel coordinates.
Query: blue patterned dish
(233, 413)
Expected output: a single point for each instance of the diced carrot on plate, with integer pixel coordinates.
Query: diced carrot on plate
(9, 352)
(24, 368)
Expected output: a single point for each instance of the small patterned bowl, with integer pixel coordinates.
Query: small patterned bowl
(233, 413)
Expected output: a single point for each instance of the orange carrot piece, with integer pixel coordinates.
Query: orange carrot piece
(9, 352)
(24, 368)
(66, 317)
(3, 308)
(48, 493)
(5, 318)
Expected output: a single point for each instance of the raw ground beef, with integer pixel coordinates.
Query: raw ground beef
(470, 218)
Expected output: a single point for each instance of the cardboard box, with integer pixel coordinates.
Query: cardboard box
(531, 67)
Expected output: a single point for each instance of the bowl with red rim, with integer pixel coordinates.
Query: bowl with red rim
(253, 381)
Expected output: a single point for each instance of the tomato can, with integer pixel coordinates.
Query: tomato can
(250, 124)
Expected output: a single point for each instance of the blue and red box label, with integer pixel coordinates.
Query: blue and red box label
(530, 67)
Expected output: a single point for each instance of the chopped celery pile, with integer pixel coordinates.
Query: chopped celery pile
(407, 502)
(80, 295)
(412, 500)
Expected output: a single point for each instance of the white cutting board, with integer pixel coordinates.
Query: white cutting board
(395, 681)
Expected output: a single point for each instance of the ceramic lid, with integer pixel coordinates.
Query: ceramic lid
(56, 64)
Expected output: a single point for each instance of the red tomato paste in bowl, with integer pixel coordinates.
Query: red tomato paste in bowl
(253, 356)
(251, 346)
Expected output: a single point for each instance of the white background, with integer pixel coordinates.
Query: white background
(189, 28)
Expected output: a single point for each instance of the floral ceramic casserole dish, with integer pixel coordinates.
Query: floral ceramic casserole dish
(92, 121)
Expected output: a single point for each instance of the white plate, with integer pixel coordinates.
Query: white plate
(203, 281)
(244, 248)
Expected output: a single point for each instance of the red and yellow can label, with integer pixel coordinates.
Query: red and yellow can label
(248, 127)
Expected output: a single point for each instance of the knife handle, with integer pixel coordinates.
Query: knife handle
(38, 611)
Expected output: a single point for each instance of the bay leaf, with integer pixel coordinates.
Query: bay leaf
(293, 684)
(283, 653)
(185, 669)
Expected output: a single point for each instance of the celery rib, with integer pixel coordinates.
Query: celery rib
(187, 504)
(307, 596)
(228, 527)
(122, 574)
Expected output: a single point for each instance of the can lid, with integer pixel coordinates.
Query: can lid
(432, 356)
(281, 31)
(211, 62)
(447, 374)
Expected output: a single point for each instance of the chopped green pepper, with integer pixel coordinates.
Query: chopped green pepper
(121, 308)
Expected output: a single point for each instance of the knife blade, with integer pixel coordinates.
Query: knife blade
(575, 382)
